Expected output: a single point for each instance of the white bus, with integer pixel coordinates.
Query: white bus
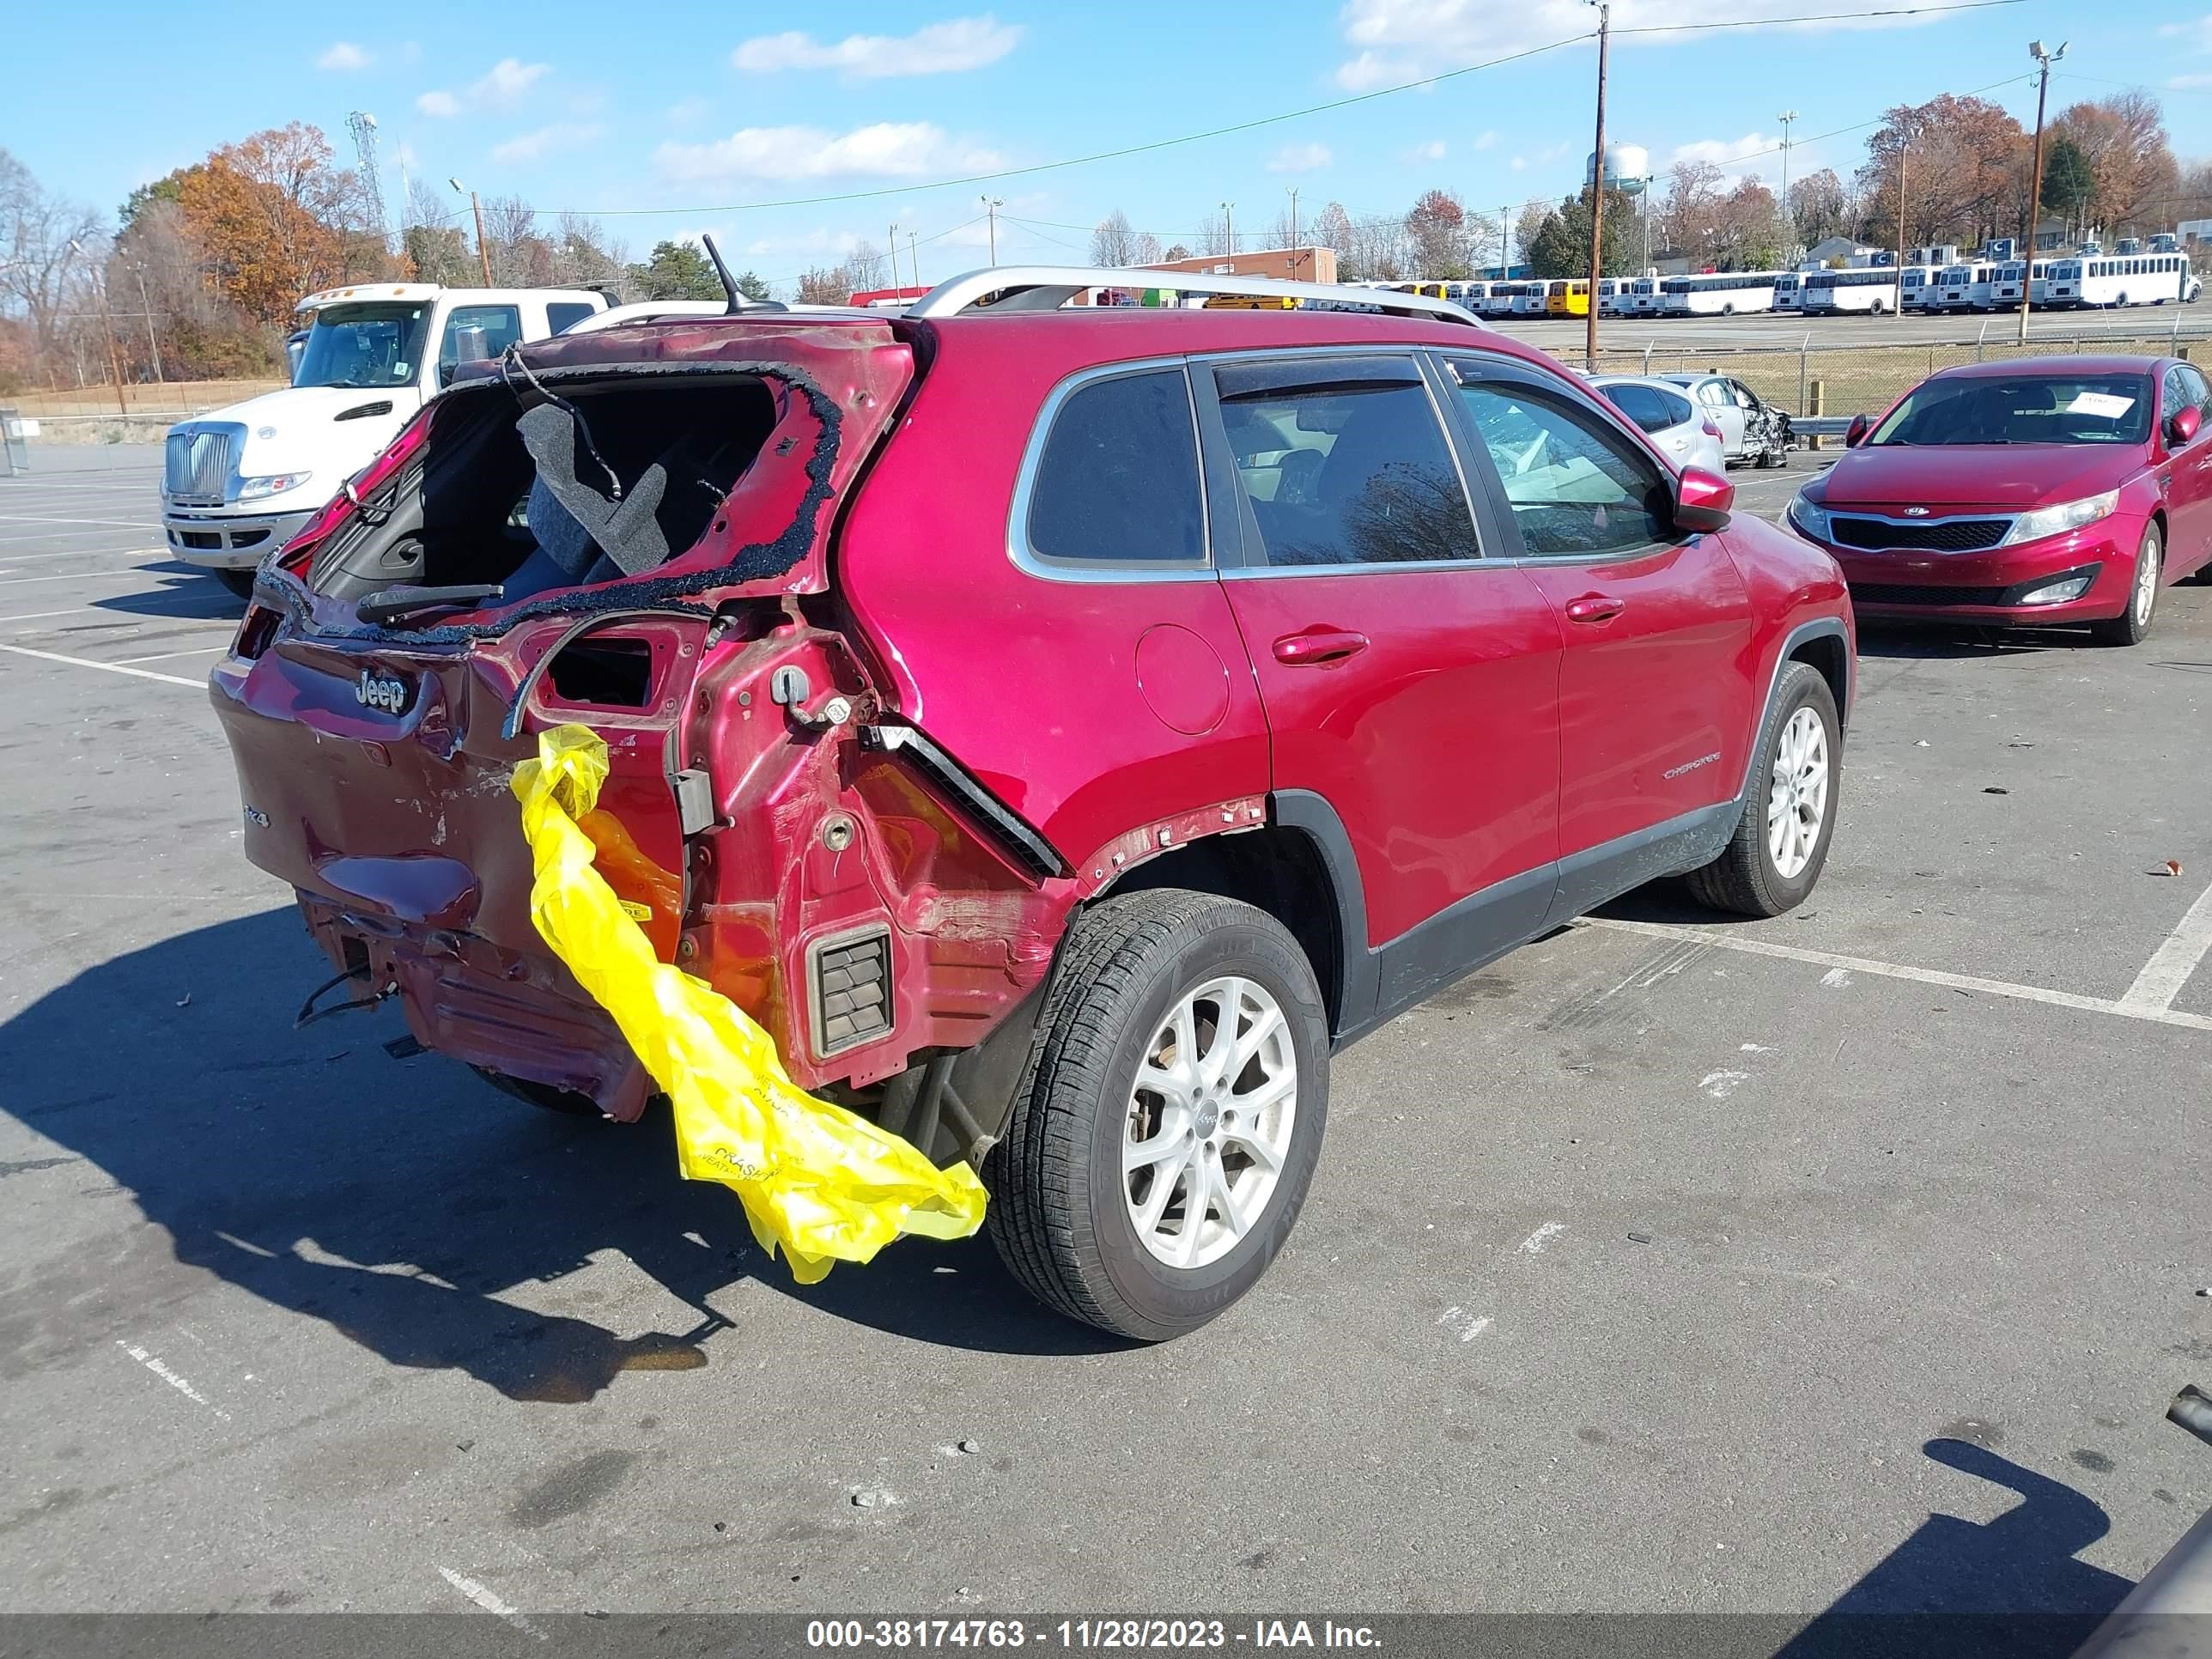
(1790, 291)
(1529, 301)
(1870, 288)
(1473, 295)
(2136, 279)
(1722, 294)
(1612, 296)
(1962, 287)
(1499, 301)
(2006, 278)
(1642, 296)
(1919, 287)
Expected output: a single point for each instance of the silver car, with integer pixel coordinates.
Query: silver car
(1686, 434)
(1751, 430)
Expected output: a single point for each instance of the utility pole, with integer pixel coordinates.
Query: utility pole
(107, 325)
(1228, 227)
(914, 257)
(1904, 143)
(1785, 118)
(153, 344)
(1294, 233)
(1597, 188)
(991, 206)
(2044, 61)
(483, 252)
(1506, 241)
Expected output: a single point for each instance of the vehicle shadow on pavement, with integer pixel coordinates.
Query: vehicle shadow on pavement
(184, 593)
(403, 1202)
(2010, 1586)
(1953, 640)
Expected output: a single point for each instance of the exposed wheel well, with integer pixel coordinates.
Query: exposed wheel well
(1276, 870)
(1825, 651)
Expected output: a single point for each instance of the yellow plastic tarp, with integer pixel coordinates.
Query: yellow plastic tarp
(822, 1183)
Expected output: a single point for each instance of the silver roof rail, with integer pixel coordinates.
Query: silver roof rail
(1048, 288)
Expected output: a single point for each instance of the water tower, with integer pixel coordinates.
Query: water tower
(1627, 169)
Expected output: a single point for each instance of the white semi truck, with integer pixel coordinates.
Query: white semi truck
(239, 482)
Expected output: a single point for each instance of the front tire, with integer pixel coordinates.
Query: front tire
(1780, 845)
(2132, 625)
(1159, 1153)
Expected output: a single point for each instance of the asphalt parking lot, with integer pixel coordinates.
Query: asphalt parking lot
(1669, 1265)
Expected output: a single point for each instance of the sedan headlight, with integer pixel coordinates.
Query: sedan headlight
(254, 490)
(2058, 520)
(1810, 517)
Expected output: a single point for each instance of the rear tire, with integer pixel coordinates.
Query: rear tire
(1781, 843)
(568, 1102)
(240, 582)
(2133, 624)
(1078, 1211)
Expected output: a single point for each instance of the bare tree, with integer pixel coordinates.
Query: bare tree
(48, 246)
(1112, 240)
(1219, 233)
(1527, 225)
(865, 268)
(1144, 249)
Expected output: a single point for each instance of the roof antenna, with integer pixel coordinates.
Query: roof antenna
(729, 285)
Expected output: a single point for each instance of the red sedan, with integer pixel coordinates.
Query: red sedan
(2055, 489)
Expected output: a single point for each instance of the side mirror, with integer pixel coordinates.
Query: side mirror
(1703, 500)
(1854, 433)
(2184, 425)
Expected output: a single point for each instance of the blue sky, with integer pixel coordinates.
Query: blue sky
(694, 111)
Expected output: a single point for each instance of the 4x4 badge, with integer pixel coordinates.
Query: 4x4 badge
(383, 691)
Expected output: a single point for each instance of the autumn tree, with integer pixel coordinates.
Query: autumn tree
(274, 220)
(46, 244)
(2133, 174)
(1332, 228)
(1436, 235)
(1966, 173)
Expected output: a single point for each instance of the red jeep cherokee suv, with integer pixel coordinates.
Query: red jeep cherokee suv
(1063, 728)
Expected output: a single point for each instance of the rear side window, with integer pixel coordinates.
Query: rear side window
(1350, 472)
(562, 315)
(1649, 407)
(1117, 482)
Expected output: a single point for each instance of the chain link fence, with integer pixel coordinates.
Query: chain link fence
(1820, 377)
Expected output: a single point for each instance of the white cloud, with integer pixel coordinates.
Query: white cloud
(688, 112)
(1392, 41)
(1719, 151)
(344, 55)
(1486, 140)
(1299, 158)
(2197, 28)
(947, 48)
(548, 141)
(886, 149)
(1434, 150)
(501, 87)
(1520, 164)
(806, 244)
(2189, 83)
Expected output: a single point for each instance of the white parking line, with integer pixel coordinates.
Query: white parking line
(116, 524)
(79, 575)
(113, 668)
(2169, 968)
(164, 656)
(2156, 1013)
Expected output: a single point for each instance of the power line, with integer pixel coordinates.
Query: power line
(1817, 17)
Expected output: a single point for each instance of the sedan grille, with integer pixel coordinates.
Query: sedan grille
(1899, 593)
(1934, 536)
(198, 463)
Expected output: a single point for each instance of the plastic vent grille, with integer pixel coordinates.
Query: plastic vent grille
(849, 983)
(1937, 536)
(1900, 593)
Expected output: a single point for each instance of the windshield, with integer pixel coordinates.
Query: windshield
(2026, 409)
(368, 346)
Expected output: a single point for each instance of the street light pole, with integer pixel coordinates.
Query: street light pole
(1294, 232)
(1904, 143)
(1597, 189)
(1228, 227)
(2044, 60)
(991, 206)
(1785, 118)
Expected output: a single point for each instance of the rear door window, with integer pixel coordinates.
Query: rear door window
(1117, 480)
(478, 332)
(1344, 462)
(562, 315)
(1645, 405)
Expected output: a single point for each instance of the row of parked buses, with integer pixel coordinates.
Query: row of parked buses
(2058, 283)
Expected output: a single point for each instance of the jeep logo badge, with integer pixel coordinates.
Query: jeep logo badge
(383, 691)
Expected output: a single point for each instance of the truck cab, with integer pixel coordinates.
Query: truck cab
(239, 482)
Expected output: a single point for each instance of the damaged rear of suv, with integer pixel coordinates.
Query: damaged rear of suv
(919, 646)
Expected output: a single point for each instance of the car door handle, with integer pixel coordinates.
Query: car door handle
(1594, 608)
(1317, 646)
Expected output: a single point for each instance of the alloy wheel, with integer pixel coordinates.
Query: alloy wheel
(1797, 797)
(1209, 1122)
(2145, 596)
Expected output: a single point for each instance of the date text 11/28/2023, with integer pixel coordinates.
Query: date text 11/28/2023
(1085, 1635)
